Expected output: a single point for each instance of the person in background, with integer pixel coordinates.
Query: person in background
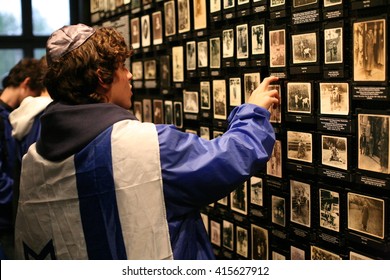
(23, 80)
(99, 184)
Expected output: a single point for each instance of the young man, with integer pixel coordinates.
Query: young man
(99, 184)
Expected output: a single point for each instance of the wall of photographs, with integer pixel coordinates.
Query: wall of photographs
(325, 192)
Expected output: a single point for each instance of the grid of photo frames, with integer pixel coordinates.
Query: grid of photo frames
(325, 192)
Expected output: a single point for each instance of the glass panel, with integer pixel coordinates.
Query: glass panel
(8, 59)
(49, 16)
(10, 18)
(38, 53)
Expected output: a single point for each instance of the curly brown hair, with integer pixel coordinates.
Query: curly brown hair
(73, 78)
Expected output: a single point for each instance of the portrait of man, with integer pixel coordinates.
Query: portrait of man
(333, 45)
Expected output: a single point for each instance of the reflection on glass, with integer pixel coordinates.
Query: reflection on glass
(8, 59)
(10, 18)
(45, 21)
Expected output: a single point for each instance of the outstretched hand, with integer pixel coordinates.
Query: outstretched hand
(263, 97)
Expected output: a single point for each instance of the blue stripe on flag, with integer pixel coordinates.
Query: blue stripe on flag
(97, 199)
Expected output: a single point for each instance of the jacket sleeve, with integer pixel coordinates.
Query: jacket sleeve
(197, 172)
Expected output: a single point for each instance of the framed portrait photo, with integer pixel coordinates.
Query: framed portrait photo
(329, 209)
(304, 48)
(300, 146)
(137, 109)
(158, 111)
(251, 82)
(334, 99)
(256, 191)
(135, 36)
(170, 18)
(235, 91)
(215, 6)
(259, 242)
(215, 53)
(333, 45)
(205, 132)
(191, 55)
(150, 69)
(168, 112)
(297, 253)
(203, 59)
(147, 110)
(137, 70)
(157, 28)
(356, 256)
(258, 39)
(205, 95)
(277, 48)
(184, 20)
(239, 200)
(219, 99)
(330, 3)
(228, 235)
(300, 203)
(228, 43)
(278, 205)
(229, 4)
(242, 43)
(191, 101)
(302, 3)
(165, 71)
(145, 28)
(242, 243)
(200, 14)
(276, 110)
(299, 96)
(274, 164)
(177, 64)
(178, 114)
(317, 253)
(215, 233)
(334, 151)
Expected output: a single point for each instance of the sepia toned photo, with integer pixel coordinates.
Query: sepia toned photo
(165, 72)
(317, 253)
(238, 200)
(299, 146)
(147, 110)
(177, 64)
(242, 41)
(256, 191)
(157, 28)
(259, 243)
(228, 43)
(168, 112)
(227, 235)
(135, 33)
(205, 95)
(223, 201)
(333, 45)
(304, 48)
(178, 114)
(277, 48)
(228, 4)
(183, 14)
(373, 142)
(329, 209)
(145, 29)
(358, 257)
(276, 3)
(278, 205)
(276, 109)
(334, 99)
(235, 91)
(219, 99)
(170, 18)
(135, 4)
(200, 14)
(137, 70)
(203, 60)
(242, 241)
(205, 132)
(190, 101)
(215, 6)
(215, 233)
(296, 253)
(205, 220)
(300, 203)
(278, 256)
(366, 214)
(215, 53)
(329, 3)
(251, 82)
(369, 47)
(158, 111)
(217, 133)
(301, 3)
(191, 55)
(150, 69)
(95, 6)
(258, 39)
(299, 98)
(334, 151)
(137, 109)
(274, 165)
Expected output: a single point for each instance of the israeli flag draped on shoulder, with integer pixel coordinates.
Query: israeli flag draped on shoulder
(105, 202)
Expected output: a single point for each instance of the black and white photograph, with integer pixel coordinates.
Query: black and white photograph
(242, 2)
(373, 131)
(300, 203)
(251, 82)
(147, 110)
(215, 53)
(333, 45)
(317, 253)
(157, 28)
(135, 37)
(256, 191)
(301, 3)
(329, 3)
(150, 69)
(228, 4)
(135, 4)
(242, 241)
(334, 99)
(334, 151)
(168, 112)
(205, 132)
(277, 48)
(223, 201)
(276, 109)
(242, 41)
(296, 253)
(205, 220)
(137, 70)
(329, 209)
(183, 14)
(276, 3)
(215, 6)
(277, 256)
(235, 91)
(239, 199)
(200, 14)
(177, 64)
(191, 55)
(203, 60)
(274, 164)
(369, 47)
(215, 233)
(228, 43)
(299, 146)
(258, 39)
(304, 48)
(165, 71)
(278, 205)
(158, 111)
(228, 235)
(219, 99)
(145, 31)
(358, 257)
(178, 114)
(259, 243)
(366, 214)
(138, 110)
(299, 97)
(205, 95)
(170, 18)
(190, 101)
